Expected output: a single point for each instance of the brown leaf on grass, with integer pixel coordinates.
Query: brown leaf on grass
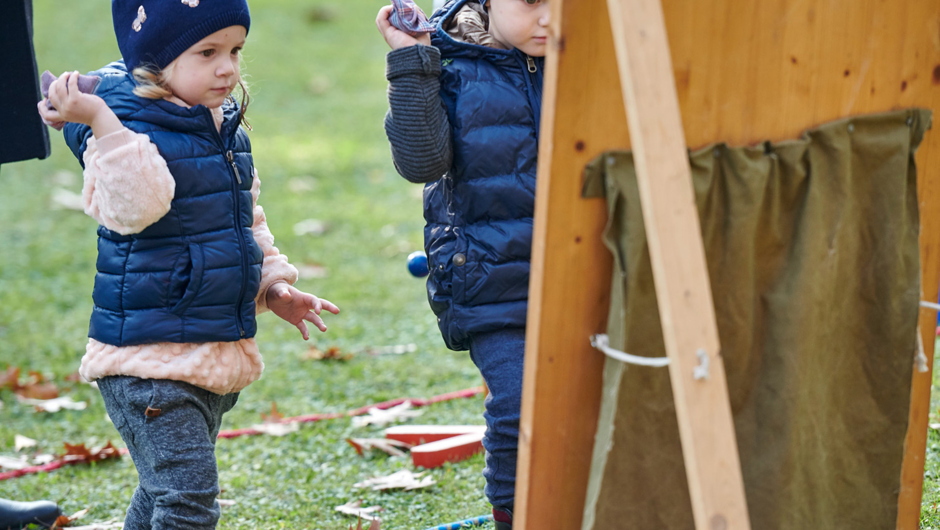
(35, 386)
(39, 391)
(66, 520)
(392, 447)
(80, 453)
(10, 378)
(274, 417)
(75, 377)
(333, 353)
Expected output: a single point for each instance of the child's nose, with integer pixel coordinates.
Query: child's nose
(544, 15)
(227, 68)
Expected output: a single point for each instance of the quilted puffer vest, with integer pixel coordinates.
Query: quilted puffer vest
(193, 275)
(478, 234)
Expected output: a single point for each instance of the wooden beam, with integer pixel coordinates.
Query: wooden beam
(569, 288)
(680, 274)
(915, 444)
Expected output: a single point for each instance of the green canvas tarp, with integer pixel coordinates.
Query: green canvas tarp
(812, 251)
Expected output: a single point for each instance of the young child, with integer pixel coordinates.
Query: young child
(185, 258)
(464, 119)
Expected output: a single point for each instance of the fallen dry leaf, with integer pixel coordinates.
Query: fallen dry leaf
(274, 417)
(66, 520)
(43, 459)
(355, 508)
(35, 386)
(10, 378)
(225, 503)
(383, 417)
(42, 391)
(8, 462)
(80, 453)
(21, 442)
(403, 479)
(276, 429)
(53, 405)
(333, 353)
(392, 447)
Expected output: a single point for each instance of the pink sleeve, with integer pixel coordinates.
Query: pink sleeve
(127, 184)
(276, 267)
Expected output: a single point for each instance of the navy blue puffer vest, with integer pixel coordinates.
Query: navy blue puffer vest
(478, 234)
(192, 276)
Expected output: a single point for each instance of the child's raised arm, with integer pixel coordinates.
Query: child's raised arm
(416, 123)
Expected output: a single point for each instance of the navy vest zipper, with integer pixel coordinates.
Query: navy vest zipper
(533, 80)
(236, 191)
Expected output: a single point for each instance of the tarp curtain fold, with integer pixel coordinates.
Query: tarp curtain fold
(812, 252)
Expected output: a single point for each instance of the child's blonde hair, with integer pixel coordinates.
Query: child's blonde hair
(155, 84)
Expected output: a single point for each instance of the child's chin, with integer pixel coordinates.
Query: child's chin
(533, 49)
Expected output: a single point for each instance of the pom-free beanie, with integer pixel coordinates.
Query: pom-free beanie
(157, 31)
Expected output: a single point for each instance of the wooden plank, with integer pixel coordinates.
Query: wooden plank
(571, 269)
(680, 274)
(915, 444)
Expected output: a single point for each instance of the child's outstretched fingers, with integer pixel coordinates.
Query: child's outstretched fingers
(303, 329)
(316, 320)
(329, 306)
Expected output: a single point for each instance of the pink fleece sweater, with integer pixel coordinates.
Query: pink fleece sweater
(127, 188)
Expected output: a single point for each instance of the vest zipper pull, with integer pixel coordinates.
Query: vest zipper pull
(531, 62)
(231, 160)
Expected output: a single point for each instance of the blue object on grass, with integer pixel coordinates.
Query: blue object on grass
(467, 523)
(418, 264)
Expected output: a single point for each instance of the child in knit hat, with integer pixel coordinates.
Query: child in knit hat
(464, 104)
(185, 258)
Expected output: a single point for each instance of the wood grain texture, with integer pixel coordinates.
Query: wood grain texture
(745, 72)
(569, 288)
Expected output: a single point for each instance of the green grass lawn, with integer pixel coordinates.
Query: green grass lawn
(318, 98)
(316, 70)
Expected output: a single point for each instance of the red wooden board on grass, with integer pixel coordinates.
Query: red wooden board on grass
(422, 434)
(454, 449)
(441, 443)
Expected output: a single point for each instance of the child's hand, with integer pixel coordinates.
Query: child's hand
(395, 37)
(71, 105)
(295, 306)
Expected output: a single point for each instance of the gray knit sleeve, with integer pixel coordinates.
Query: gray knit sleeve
(416, 123)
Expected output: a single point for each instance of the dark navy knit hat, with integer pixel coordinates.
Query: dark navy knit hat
(158, 31)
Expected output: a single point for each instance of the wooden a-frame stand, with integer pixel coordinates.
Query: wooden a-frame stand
(741, 72)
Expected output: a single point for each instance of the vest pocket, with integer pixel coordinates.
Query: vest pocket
(197, 262)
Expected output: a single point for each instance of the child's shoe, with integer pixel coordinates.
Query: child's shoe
(503, 518)
(17, 515)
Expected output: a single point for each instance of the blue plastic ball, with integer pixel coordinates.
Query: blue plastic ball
(418, 264)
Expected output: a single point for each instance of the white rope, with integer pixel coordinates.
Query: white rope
(930, 305)
(602, 343)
